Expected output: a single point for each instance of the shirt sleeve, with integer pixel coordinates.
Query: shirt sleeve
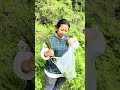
(98, 45)
(44, 49)
(23, 54)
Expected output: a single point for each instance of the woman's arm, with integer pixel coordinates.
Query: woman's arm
(45, 52)
(95, 40)
(28, 65)
(100, 44)
(74, 42)
(23, 62)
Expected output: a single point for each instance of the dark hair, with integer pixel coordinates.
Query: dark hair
(62, 21)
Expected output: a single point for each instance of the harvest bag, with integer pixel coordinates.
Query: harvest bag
(66, 63)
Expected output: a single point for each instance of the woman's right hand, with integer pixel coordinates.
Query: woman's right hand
(28, 65)
(49, 53)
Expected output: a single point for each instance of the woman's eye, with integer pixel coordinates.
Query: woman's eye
(66, 30)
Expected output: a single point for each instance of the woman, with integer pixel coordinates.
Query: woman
(60, 43)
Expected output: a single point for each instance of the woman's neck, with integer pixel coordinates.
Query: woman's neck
(58, 36)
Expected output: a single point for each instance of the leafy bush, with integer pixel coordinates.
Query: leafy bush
(48, 12)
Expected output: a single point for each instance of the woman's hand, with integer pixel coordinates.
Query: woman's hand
(28, 65)
(49, 53)
(70, 41)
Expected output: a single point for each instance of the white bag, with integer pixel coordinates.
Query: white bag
(66, 63)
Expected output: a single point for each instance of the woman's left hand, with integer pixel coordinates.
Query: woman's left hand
(70, 41)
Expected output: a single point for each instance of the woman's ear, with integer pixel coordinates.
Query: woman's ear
(55, 31)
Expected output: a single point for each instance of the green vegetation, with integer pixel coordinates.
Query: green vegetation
(48, 13)
(14, 16)
(106, 15)
(15, 13)
(18, 15)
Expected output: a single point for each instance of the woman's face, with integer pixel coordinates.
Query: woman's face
(62, 30)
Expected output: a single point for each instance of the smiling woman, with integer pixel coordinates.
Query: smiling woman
(62, 30)
(51, 21)
(60, 44)
(62, 26)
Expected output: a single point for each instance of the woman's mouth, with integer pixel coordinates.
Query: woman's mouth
(62, 35)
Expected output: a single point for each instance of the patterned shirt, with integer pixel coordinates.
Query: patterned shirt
(60, 47)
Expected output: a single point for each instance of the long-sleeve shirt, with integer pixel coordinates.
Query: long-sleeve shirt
(55, 44)
(23, 53)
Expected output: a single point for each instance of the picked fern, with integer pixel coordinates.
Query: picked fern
(43, 37)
